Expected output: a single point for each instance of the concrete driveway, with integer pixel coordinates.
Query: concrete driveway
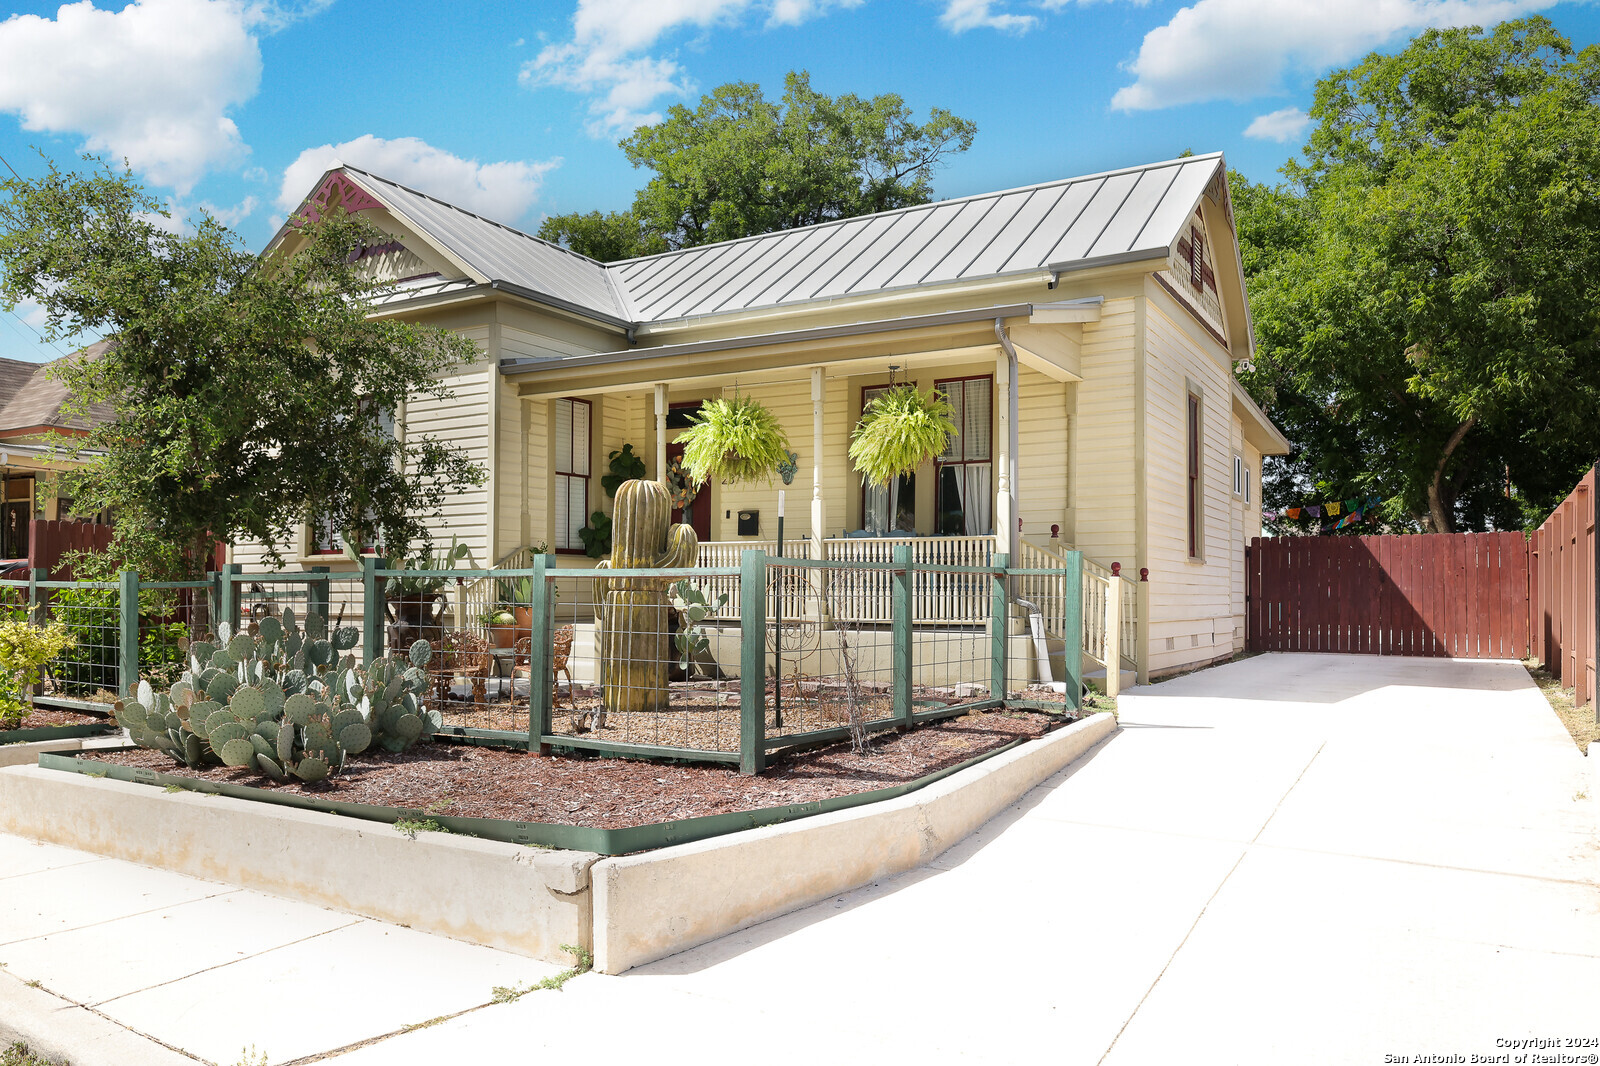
(1291, 859)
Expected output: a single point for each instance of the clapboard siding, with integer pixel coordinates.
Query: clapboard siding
(1104, 485)
(462, 421)
(1191, 614)
(1041, 453)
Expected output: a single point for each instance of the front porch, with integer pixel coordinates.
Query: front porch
(1001, 493)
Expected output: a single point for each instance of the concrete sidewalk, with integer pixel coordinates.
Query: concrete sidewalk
(1291, 859)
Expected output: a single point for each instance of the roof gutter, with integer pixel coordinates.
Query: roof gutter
(797, 336)
(537, 297)
(1138, 255)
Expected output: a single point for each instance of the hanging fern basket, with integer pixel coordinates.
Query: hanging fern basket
(734, 440)
(899, 431)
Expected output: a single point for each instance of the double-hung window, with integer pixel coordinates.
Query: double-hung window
(965, 486)
(325, 539)
(1193, 476)
(571, 488)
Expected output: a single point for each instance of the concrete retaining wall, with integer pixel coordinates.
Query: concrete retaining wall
(631, 910)
(656, 904)
(521, 899)
(28, 754)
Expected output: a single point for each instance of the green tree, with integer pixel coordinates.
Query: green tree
(1426, 287)
(249, 396)
(741, 164)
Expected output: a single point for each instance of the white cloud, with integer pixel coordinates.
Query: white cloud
(960, 16)
(606, 58)
(231, 216)
(1285, 124)
(501, 191)
(152, 83)
(33, 314)
(1239, 49)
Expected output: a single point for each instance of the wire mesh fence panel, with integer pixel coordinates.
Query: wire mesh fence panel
(953, 659)
(171, 614)
(1037, 640)
(480, 629)
(641, 660)
(337, 597)
(831, 655)
(88, 669)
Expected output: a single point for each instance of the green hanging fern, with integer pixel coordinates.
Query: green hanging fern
(733, 440)
(899, 431)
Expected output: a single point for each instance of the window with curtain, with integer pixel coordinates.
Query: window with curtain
(890, 508)
(325, 540)
(571, 487)
(965, 489)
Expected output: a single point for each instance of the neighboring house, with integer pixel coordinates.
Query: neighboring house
(1086, 329)
(33, 419)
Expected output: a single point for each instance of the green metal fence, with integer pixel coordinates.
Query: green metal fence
(778, 655)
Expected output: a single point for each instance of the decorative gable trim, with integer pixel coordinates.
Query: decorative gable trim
(336, 191)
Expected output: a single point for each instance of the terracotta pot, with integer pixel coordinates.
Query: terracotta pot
(503, 636)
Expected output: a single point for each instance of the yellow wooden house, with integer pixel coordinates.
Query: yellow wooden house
(1085, 329)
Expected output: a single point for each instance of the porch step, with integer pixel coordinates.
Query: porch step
(1096, 679)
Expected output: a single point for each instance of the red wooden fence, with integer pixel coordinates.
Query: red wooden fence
(1461, 594)
(1562, 587)
(49, 541)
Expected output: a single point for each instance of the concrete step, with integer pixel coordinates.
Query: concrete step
(1096, 679)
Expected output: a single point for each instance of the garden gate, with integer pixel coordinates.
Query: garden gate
(1455, 594)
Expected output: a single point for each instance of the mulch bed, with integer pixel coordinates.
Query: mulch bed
(705, 717)
(610, 793)
(41, 717)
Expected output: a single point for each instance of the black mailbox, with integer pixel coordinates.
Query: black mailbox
(749, 523)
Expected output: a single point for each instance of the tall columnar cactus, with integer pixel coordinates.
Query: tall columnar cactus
(284, 702)
(636, 622)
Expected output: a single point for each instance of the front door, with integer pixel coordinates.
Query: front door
(698, 513)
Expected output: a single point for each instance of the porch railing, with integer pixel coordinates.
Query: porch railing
(1110, 609)
(476, 598)
(864, 595)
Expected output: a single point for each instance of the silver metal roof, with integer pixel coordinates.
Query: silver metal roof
(497, 252)
(1060, 225)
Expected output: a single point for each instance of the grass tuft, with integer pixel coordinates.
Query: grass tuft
(1579, 721)
(411, 827)
(20, 1055)
(502, 994)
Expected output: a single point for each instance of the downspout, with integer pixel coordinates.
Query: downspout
(1013, 537)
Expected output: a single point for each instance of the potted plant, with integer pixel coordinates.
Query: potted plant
(899, 431)
(417, 599)
(734, 440)
(501, 624)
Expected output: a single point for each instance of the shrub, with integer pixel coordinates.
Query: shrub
(24, 649)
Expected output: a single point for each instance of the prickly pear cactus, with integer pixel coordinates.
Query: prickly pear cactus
(636, 622)
(287, 703)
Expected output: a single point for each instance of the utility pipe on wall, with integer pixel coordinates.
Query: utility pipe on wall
(1008, 471)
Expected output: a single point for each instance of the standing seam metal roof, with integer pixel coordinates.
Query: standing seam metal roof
(1053, 225)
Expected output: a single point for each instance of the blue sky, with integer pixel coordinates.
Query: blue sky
(514, 110)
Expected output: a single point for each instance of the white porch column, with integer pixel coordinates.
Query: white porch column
(819, 518)
(661, 434)
(1005, 520)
